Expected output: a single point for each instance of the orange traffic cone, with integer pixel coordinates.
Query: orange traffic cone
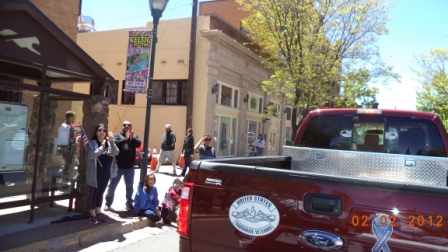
(154, 160)
(181, 162)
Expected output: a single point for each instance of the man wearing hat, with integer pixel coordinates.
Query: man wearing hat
(127, 141)
(167, 146)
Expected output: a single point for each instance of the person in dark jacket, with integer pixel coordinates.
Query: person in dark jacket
(127, 141)
(187, 150)
(168, 144)
(206, 151)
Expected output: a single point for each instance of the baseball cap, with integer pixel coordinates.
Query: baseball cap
(168, 126)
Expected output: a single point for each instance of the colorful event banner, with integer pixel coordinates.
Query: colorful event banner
(137, 61)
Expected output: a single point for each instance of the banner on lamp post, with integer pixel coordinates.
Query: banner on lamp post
(137, 61)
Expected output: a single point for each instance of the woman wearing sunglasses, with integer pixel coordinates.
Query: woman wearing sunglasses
(206, 151)
(101, 167)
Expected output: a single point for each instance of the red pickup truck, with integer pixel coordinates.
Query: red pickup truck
(356, 180)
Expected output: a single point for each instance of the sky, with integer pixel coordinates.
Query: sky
(415, 27)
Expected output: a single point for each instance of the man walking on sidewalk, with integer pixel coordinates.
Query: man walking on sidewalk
(168, 143)
(127, 141)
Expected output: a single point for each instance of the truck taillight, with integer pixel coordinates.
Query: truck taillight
(184, 213)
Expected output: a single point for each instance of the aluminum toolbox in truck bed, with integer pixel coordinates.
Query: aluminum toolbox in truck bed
(423, 170)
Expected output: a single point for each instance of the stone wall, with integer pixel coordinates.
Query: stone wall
(96, 111)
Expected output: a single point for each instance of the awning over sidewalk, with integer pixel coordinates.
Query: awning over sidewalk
(33, 47)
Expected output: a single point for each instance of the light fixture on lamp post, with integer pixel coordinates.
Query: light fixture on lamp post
(157, 7)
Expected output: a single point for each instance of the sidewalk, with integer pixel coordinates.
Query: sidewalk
(41, 235)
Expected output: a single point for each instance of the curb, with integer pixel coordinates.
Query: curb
(85, 238)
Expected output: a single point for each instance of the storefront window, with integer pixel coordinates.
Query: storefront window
(226, 128)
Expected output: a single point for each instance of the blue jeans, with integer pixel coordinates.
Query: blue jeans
(128, 181)
(187, 164)
(260, 151)
(149, 214)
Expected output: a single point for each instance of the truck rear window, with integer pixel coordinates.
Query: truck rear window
(381, 134)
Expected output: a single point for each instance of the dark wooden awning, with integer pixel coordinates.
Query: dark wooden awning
(33, 47)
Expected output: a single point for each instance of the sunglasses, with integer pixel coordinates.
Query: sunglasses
(127, 125)
(208, 139)
(101, 130)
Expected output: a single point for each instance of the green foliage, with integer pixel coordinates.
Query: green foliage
(311, 43)
(432, 72)
(356, 92)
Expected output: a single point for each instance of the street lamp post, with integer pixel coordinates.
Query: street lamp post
(157, 7)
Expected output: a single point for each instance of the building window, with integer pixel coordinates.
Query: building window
(225, 130)
(275, 110)
(272, 143)
(111, 92)
(235, 98)
(227, 96)
(255, 103)
(169, 92)
(288, 113)
(127, 98)
(253, 129)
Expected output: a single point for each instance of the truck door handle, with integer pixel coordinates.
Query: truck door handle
(323, 204)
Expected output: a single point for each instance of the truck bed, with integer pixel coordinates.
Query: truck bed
(262, 204)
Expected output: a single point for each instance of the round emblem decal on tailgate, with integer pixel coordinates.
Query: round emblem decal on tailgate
(254, 215)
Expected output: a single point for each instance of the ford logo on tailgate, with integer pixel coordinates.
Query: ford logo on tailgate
(320, 239)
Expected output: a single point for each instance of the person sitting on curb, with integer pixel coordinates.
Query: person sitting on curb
(146, 202)
(171, 203)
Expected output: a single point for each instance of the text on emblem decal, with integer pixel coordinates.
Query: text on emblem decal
(254, 215)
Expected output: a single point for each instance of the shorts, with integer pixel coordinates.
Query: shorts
(167, 154)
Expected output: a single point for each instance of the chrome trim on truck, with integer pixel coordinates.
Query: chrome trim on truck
(419, 170)
(321, 239)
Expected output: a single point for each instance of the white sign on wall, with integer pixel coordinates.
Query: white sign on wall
(13, 136)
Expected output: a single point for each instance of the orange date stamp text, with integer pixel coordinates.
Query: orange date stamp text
(412, 220)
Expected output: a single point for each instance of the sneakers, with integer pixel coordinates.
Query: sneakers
(106, 208)
(159, 224)
(129, 207)
(94, 220)
(101, 217)
(174, 173)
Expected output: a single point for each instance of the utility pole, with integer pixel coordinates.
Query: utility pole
(190, 82)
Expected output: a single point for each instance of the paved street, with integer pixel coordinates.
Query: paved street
(146, 239)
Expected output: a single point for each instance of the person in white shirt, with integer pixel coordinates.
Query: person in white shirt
(259, 144)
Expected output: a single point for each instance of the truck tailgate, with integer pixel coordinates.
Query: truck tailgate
(242, 207)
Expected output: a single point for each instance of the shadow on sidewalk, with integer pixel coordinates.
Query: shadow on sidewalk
(15, 232)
